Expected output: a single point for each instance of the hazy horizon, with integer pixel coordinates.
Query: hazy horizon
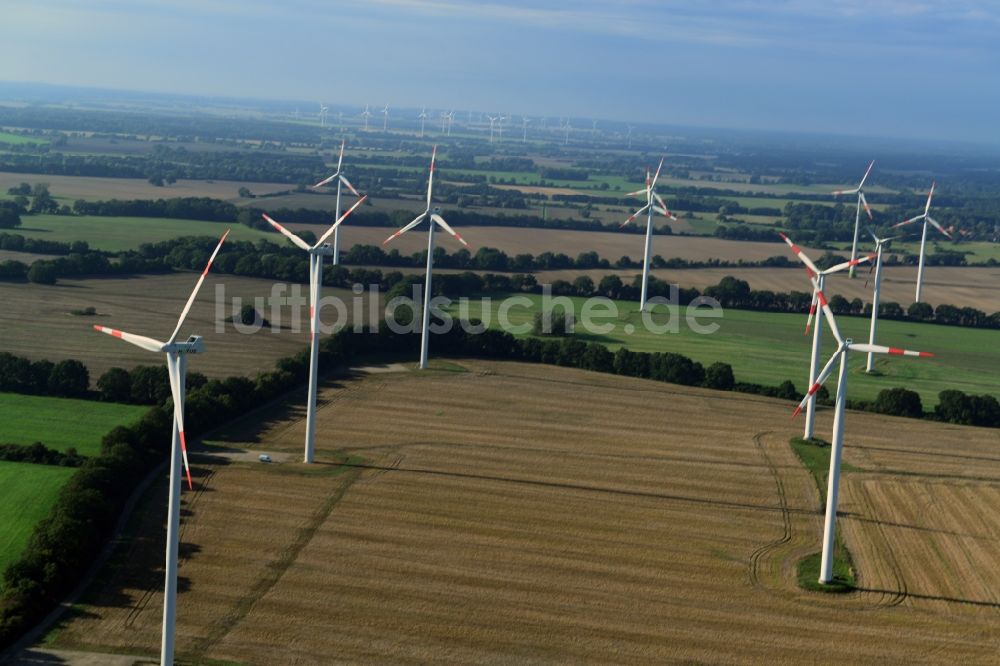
(881, 68)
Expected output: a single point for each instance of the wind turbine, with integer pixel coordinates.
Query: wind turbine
(450, 116)
(653, 204)
(444, 119)
(435, 216)
(879, 243)
(385, 118)
(341, 180)
(524, 126)
(567, 127)
(422, 118)
(493, 120)
(176, 370)
(316, 254)
(500, 122)
(857, 217)
(366, 114)
(629, 136)
(925, 216)
(833, 481)
(323, 108)
(817, 342)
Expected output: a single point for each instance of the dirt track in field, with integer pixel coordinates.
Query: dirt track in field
(512, 512)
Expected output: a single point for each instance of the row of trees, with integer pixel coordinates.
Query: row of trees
(69, 378)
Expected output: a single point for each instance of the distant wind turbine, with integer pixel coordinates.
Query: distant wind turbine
(341, 180)
(422, 118)
(879, 244)
(653, 204)
(366, 114)
(385, 118)
(857, 217)
(926, 217)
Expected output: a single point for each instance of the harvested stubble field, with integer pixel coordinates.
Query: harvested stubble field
(92, 188)
(37, 321)
(508, 512)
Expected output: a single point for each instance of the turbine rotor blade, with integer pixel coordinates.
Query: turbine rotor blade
(340, 160)
(820, 379)
(865, 177)
(938, 226)
(894, 351)
(801, 255)
(634, 215)
(812, 312)
(142, 341)
(827, 312)
(930, 195)
(344, 180)
(409, 226)
(175, 391)
(848, 264)
(864, 202)
(337, 223)
(657, 175)
(324, 181)
(430, 178)
(288, 234)
(444, 225)
(905, 222)
(197, 286)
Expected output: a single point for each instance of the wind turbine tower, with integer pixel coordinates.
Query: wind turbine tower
(435, 219)
(316, 254)
(177, 353)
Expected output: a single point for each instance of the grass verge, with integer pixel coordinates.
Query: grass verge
(815, 456)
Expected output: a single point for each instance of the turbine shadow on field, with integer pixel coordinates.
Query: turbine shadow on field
(932, 597)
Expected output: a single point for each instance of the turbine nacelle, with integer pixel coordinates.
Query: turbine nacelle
(193, 345)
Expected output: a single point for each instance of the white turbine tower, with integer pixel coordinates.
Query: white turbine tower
(366, 114)
(422, 118)
(323, 109)
(444, 120)
(316, 254)
(385, 118)
(500, 121)
(837, 446)
(925, 216)
(176, 371)
(436, 219)
(629, 136)
(341, 180)
(524, 127)
(817, 341)
(653, 204)
(862, 202)
(450, 117)
(879, 244)
(566, 128)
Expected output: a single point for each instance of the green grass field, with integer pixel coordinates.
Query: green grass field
(124, 233)
(28, 493)
(19, 140)
(768, 348)
(61, 423)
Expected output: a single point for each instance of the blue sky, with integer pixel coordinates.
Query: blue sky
(876, 67)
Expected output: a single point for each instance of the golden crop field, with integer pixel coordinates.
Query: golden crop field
(503, 512)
